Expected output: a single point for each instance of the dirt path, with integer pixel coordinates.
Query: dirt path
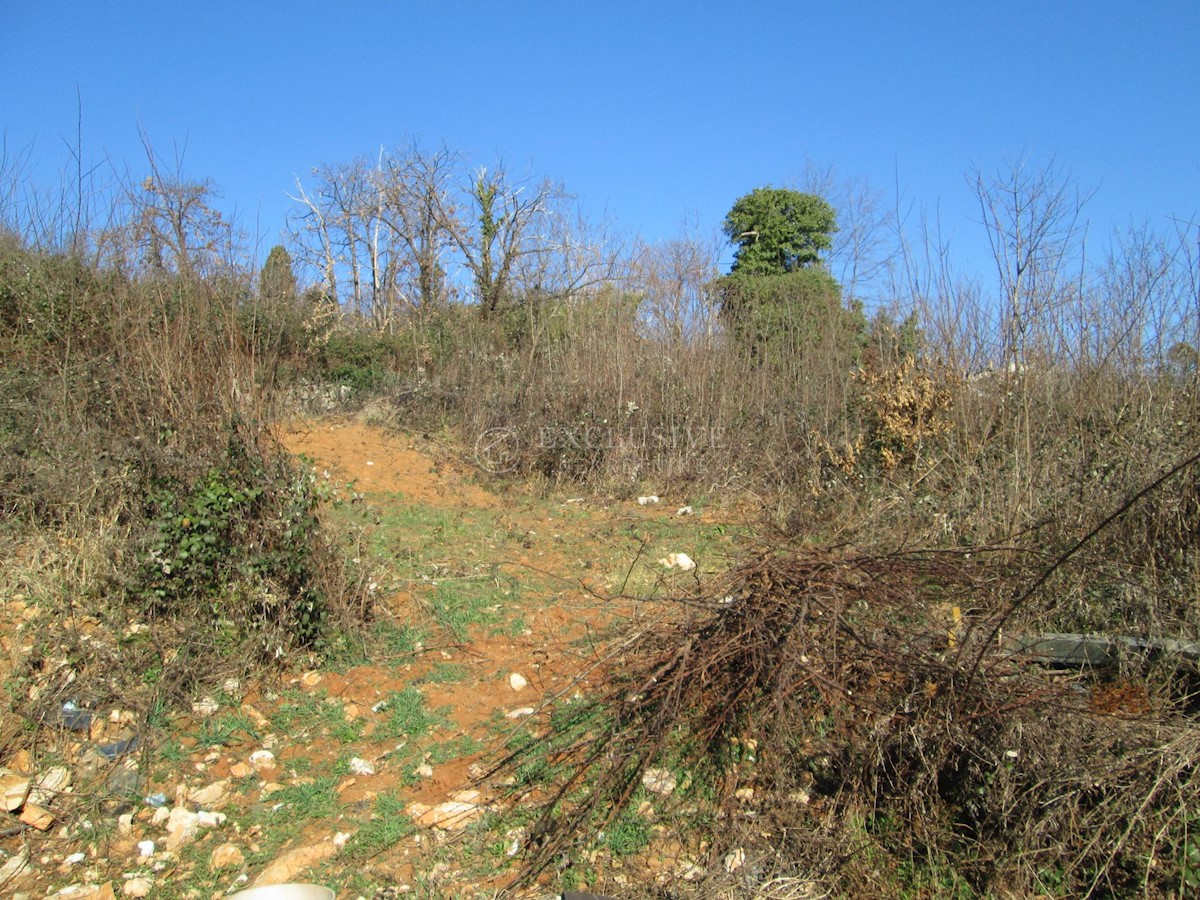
(492, 609)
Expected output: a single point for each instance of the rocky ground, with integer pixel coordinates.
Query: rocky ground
(363, 770)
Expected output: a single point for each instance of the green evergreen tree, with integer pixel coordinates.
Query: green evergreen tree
(277, 281)
(778, 231)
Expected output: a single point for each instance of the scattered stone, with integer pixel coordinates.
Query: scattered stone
(145, 849)
(137, 887)
(205, 708)
(21, 762)
(231, 686)
(683, 511)
(311, 679)
(688, 870)
(339, 839)
(362, 766)
(425, 770)
(208, 819)
(14, 868)
(659, 781)
(240, 770)
(744, 794)
(735, 860)
(50, 784)
(476, 771)
(287, 866)
(680, 561)
(517, 681)
(519, 713)
(262, 760)
(452, 815)
(13, 789)
(37, 816)
(74, 859)
(213, 796)
(125, 824)
(647, 501)
(182, 825)
(260, 721)
(227, 856)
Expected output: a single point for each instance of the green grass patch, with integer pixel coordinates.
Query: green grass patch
(444, 673)
(306, 715)
(389, 824)
(223, 730)
(407, 716)
(316, 799)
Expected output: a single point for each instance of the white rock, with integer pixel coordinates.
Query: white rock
(262, 760)
(13, 868)
(212, 796)
(206, 819)
(145, 849)
(361, 766)
(339, 839)
(688, 870)
(450, 816)
(206, 707)
(680, 561)
(182, 825)
(75, 858)
(659, 781)
(49, 785)
(425, 770)
(137, 887)
(227, 856)
(519, 713)
(684, 511)
(648, 500)
(517, 681)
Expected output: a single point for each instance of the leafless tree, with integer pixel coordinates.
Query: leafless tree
(525, 238)
(415, 186)
(1033, 221)
(675, 278)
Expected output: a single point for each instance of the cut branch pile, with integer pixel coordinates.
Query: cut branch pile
(830, 712)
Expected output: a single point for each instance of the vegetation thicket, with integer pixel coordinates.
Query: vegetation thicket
(940, 465)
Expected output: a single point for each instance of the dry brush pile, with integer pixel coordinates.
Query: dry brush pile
(829, 716)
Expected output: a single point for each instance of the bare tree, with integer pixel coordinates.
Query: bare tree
(415, 189)
(508, 229)
(675, 279)
(1033, 223)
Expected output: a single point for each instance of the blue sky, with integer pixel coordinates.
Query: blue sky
(650, 112)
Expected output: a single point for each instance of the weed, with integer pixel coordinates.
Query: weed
(220, 731)
(303, 714)
(316, 799)
(444, 673)
(406, 716)
(388, 825)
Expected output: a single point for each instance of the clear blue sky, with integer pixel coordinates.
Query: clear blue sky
(649, 111)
